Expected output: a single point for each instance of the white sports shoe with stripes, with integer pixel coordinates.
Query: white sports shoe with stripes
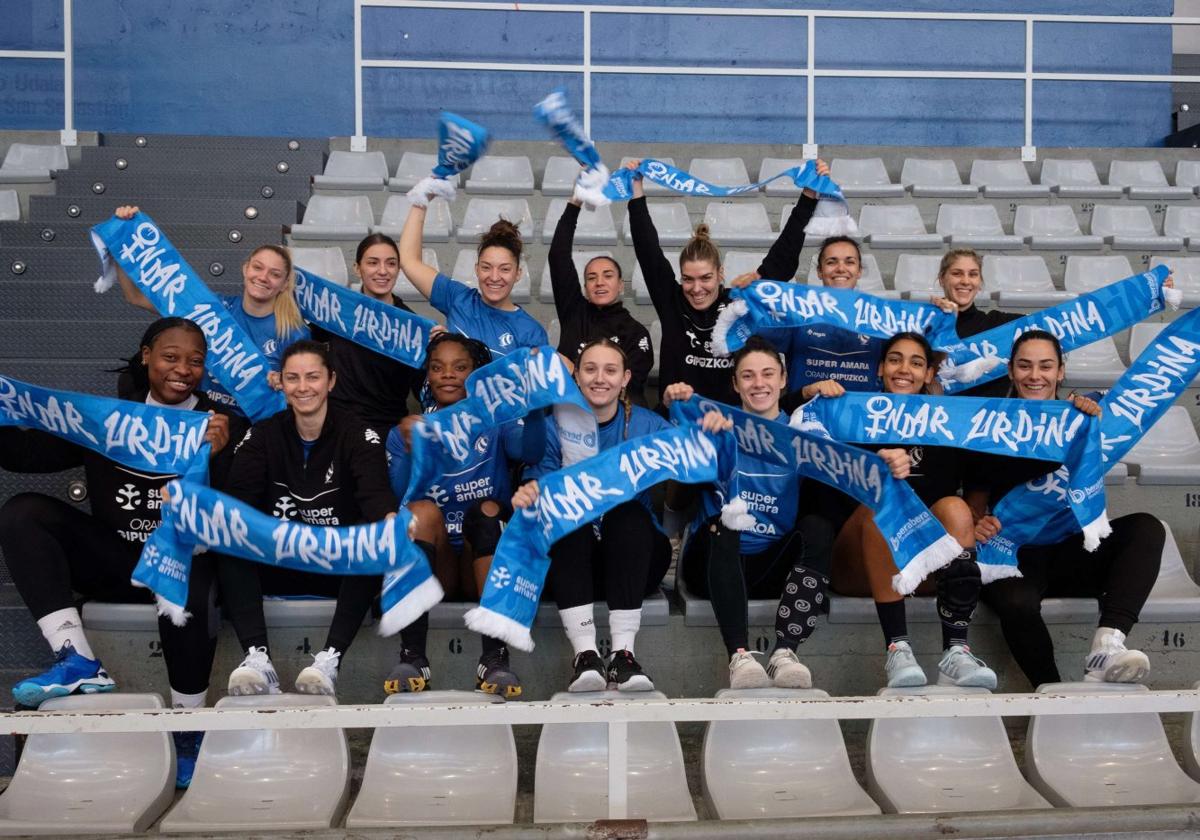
(256, 674)
(1111, 661)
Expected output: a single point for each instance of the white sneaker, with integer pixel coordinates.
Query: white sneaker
(901, 667)
(256, 674)
(1111, 661)
(321, 676)
(960, 667)
(745, 671)
(785, 668)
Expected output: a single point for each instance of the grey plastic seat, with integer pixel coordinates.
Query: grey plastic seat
(936, 765)
(438, 775)
(651, 187)
(935, 179)
(482, 213)
(1093, 761)
(1186, 274)
(29, 163)
(641, 292)
(1086, 274)
(739, 223)
(773, 166)
(1077, 178)
(10, 206)
(1095, 365)
(655, 330)
(500, 175)
(1005, 179)
(1145, 180)
(724, 172)
(1187, 173)
(464, 272)
(581, 259)
(1054, 228)
(406, 290)
(896, 226)
(595, 227)
(329, 263)
(1185, 222)
(917, 277)
(736, 263)
(571, 777)
(779, 769)
(75, 784)
(670, 219)
(1022, 281)
(266, 779)
(1140, 336)
(1175, 596)
(975, 226)
(353, 171)
(553, 332)
(413, 167)
(1169, 452)
(1191, 737)
(864, 178)
(438, 223)
(336, 217)
(1128, 227)
(870, 282)
(559, 176)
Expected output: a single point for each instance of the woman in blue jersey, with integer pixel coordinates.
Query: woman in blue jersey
(266, 309)
(488, 312)
(463, 514)
(786, 554)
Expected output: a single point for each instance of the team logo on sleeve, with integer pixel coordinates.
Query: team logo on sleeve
(506, 339)
(644, 343)
(370, 435)
(329, 475)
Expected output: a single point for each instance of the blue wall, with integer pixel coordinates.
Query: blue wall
(286, 67)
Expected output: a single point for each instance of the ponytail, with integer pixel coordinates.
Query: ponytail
(287, 313)
(503, 234)
(700, 248)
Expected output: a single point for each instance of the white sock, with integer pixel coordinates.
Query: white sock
(580, 624)
(179, 700)
(624, 625)
(63, 626)
(674, 521)
(1101, 632)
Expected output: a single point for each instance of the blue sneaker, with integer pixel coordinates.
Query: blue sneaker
(70, 674)
(187, 747)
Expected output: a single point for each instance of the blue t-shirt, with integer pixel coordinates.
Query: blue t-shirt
(467, 313)
(262, 332)
(816, 353)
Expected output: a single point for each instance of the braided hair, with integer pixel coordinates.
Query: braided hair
(626, 402)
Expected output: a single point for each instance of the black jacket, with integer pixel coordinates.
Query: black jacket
(972, 321)
(343, 482)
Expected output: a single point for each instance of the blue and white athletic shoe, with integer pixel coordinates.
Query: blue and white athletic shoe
(70, 674)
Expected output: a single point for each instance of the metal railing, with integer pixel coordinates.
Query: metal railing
(67, 136)
(809, 71)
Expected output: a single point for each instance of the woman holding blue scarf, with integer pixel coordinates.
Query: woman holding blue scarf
(1119, 574)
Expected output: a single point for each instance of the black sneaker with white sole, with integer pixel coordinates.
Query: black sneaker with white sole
(590, 673)
(628, 675)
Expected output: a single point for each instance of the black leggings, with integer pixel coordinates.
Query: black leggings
(243, 583)
(1120, 574)
(53, 550)
(623, 565)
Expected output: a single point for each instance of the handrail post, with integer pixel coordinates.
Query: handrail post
(810, 105)
(68, 136)
(618, 755)
(587, 72)
(358, 143)
(1029, 151)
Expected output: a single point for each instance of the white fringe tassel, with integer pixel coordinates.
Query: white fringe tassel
(926, 563)
(1173, 297)
(414, 605)
(419, 195)
(489, 623)
(589, 187)
(178, 615)
(989, 572)
(736, 515)
(1096, 530)
(725, 321)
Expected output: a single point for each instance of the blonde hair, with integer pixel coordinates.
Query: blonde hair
(952, 256)
(287, 313)
(700, 248)
(626, 402)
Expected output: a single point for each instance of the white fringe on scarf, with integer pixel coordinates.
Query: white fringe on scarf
(831, 218)
(431, 187)
(589, 187)
(736, 515)
(725, 321)
(414, 605)
(490, 623)
(925, 563)
(989, 572)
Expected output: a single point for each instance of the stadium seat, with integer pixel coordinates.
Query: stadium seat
(771, 167)
(1086, 274)
(1053, 228)
(724, 172)
(559, 177)
(482, 213)
(353, 171)
(595, 227)
(736, 263)
(336, 217)
(438, 225)
(413, 167)
(935, 179)
(896, 226)
(936, 765)
(975, 226)
(438, 775)
(1168, 453)
(464, 272)
(1130, 228)
(739, 223)
(917, 277)
(1005, 179)
(27, 163)
(1021, 281)
(329, 263)
(670, 219)
(870, 282)
(1145, 180)
(1094, 761)
(293, 779)
(406, 290)
(1140, 336)
(1184, 222)
(10, 206)
(1076, 179)
(78, 784)
(1175, 596)
(581, 259)
(651, 187)
(865, 178)
(641, 292)
(779, 769)
(1186, 271)
(496, 175)
(1187, 173)
(655, 330)
(553, 332)
(571, 777)
(1095, 365)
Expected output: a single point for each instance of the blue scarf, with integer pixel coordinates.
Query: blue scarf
(143, 251)
(1038, 512)
(1075, 323)
(771, 304)
(575, 496)
(554, 113)
(198, 516)
(1049, 430)
(460, 143)
(382, 327)
(919, 543)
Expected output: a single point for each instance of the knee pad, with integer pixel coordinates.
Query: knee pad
(958, 587)
(481, 531)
